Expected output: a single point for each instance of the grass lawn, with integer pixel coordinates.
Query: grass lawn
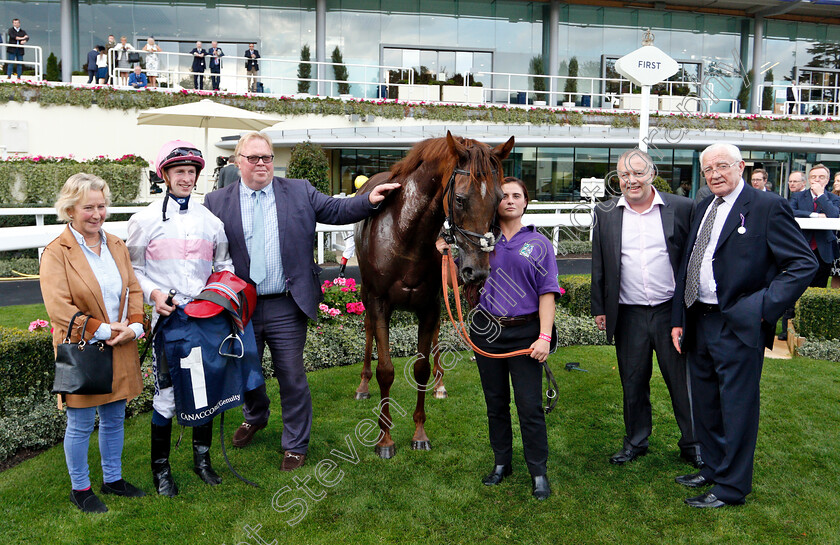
(437, 497)
(21, 316)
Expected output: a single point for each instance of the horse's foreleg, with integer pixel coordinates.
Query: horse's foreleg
(426, 335)
(362, 392)
(385, 448)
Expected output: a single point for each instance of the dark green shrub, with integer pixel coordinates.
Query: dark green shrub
(309, 162)
(744, 93)
(767, 93)
(818, 314)
(538, 84)
(571, 83)
(304, 70)
(661, 185)
(31, 421)
(578, 293)
(340, 71)
(52, 73)
(27, 361)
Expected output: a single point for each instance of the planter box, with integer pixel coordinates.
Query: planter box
(426, 93)
(459, 93)
(630, 101)
(673, 103)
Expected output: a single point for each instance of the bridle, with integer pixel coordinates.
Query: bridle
(485, 242)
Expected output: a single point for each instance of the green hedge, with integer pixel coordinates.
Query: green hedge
(30, 421)
(820, 350)
(30, 182)
(24, 265)
(818, 314)
(578, 294)
(27, 362)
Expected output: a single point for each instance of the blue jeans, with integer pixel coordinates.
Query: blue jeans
(10, 66)
(77, 435)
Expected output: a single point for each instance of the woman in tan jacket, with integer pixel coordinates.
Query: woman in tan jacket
(87, 270)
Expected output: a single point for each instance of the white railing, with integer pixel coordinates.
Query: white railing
(278, 76)
(823, 100)
(37, 64)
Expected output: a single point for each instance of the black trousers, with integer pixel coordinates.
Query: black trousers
(525, 374)
(215, 79)
(725, 376)
(198, 81)
(821, 278)
(640, 331)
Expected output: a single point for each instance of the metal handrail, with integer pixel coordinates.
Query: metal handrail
(37, 64)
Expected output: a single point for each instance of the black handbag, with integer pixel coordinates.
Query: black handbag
(83, 368)
(133, 57)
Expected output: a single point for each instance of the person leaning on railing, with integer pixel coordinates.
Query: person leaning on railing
(87, 270)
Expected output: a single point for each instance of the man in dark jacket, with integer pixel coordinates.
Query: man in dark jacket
(198, 65)
(16, 35)
(252, 66)
(91, 63)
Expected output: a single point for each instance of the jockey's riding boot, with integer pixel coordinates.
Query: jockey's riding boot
(161, 472)
(341, 270)
(202, 439)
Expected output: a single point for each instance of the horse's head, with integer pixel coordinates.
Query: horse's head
(471, 198)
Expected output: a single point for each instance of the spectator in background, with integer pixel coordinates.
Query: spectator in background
(796, 182)
(759, 179)
(152, 60)
(137, 79)
(16, 36)
(252, 66)
(835, 268)
(91, 64)
(216, 55)
(123, 65)
(102, 66)
(684, 190)
(228, 174)
(112, 43)
(198, 65)
(819, 203)
(836, 187)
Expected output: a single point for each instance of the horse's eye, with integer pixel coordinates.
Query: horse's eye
(460, 200)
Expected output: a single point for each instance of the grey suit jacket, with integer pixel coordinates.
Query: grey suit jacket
(606, 250)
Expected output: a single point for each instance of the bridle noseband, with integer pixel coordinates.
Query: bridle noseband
(485, 242)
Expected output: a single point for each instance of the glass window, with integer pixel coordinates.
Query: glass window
(589, 163)
(554, 180)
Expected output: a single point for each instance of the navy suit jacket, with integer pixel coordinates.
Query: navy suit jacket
(759, 273)
(198, 63)
(299, 207)
(828, 204)
(606, 250)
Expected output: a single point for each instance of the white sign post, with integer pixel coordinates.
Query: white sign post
(645, 67)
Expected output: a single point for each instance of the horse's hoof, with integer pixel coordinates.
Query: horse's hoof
(362, 395)
(421, 445)
(386, 453)
(441, 393)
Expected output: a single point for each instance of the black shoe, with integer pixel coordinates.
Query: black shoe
(693, 458)
(626, 455)
(783, 337)
(694, 480)
(87, 501)
(202, 439)
(161, 472)
(122, 488)
(709, 500)
(497, 475)
(541, 488)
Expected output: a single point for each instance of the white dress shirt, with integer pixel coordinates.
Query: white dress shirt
(707, 291)
(647, 277)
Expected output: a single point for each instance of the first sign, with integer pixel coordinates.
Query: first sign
(648, 65)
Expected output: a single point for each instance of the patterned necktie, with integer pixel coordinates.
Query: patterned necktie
(258, 242)
(692, 283)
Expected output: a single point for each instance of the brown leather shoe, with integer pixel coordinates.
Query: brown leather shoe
(292, 461)
(242, 437)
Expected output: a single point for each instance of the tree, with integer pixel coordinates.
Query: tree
(304, 70)
(309, 162)
(538, 84)
(744, 93)
(340, 71)
(53, 73)
(767, 94)
(825, 55)
(571, 83)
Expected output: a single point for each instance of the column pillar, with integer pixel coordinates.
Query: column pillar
(66, 41)
(321, 43)
(758, 60)
(553, 46)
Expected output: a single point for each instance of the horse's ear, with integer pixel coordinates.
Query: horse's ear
(503, 150)
(457, 148)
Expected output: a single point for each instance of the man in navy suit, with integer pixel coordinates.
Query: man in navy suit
(199, 65)
(637, 246)
(819, 203)
(270, 224)
(216, 55)
(745, 263)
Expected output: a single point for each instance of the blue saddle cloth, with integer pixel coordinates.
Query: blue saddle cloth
(206, 382)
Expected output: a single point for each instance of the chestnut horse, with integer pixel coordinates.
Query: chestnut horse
(449, 178)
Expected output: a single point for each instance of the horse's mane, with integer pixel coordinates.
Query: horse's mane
(437, 152)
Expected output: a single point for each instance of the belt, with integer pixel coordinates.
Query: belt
(272, 296)
(704, 308)
(507, 321)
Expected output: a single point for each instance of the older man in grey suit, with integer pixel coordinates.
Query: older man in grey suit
(637, 245)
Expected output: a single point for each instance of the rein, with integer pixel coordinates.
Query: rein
(485, 242)
(448, 273)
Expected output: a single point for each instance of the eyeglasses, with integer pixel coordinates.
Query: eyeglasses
(183, 152)
(720, 167)
(254, 159)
